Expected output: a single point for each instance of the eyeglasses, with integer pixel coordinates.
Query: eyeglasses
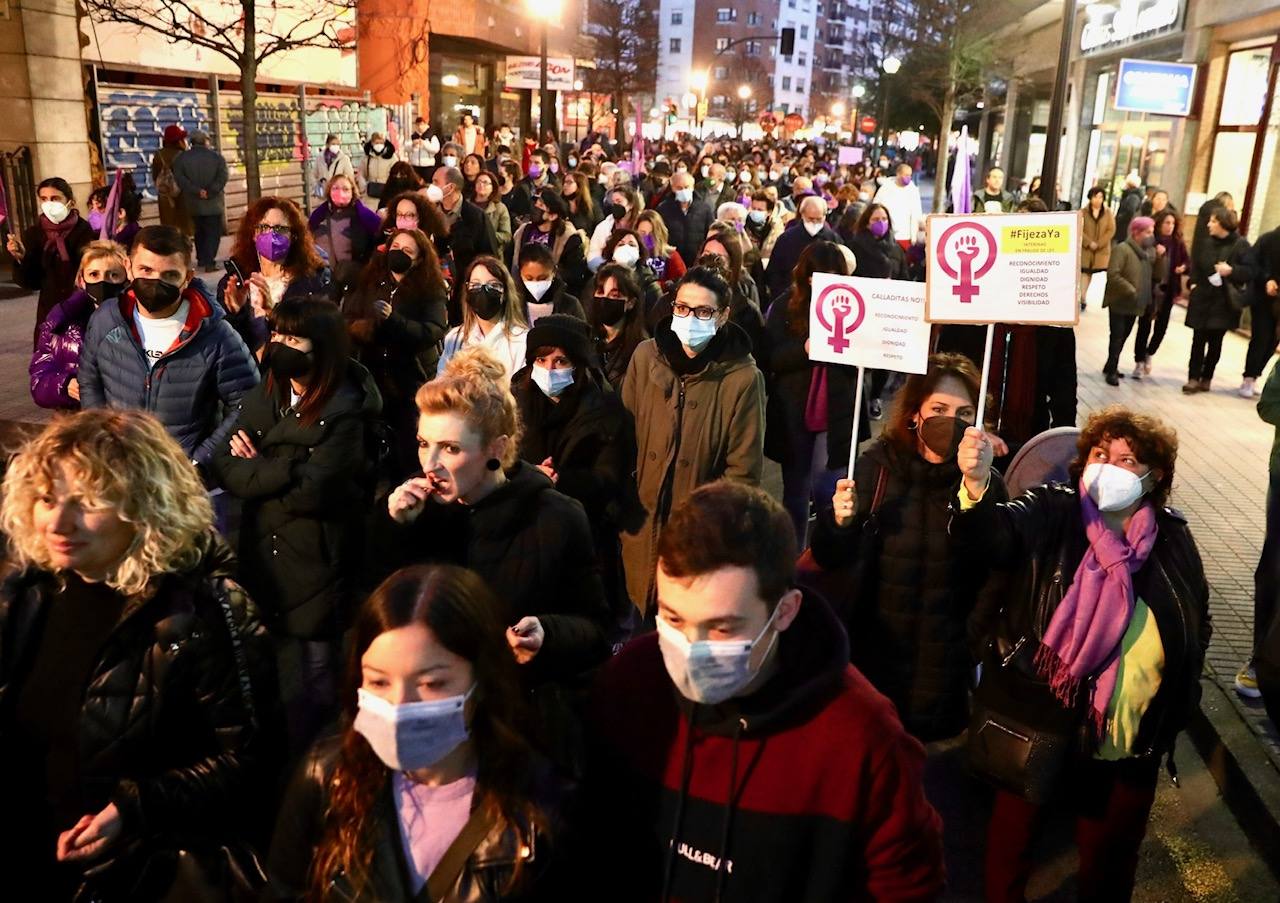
(263, 229)
(489, 288)
(699, 313)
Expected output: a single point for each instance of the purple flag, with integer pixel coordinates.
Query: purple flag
(4, 204)
(637, 143)
(112, 211)
(961, 183)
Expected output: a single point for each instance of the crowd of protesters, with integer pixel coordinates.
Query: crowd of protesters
(425, 555)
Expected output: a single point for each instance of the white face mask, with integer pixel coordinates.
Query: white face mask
(684, 195)
(706, 171)
(1114, 488)
(694, 332)
(55, 211)
(538, 288)
(450, 160)
(334, 147)
(864, 195)
(434, 194)
(411, 735)
(757, 216)
(744, 176)
(812, 228)
(627, 255)
(377, 148)
(729, 177)
(551, 382)
(711, 671)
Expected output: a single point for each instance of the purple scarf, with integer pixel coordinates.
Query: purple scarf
(1084, 634)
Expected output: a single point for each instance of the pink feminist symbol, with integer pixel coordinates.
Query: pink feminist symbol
(966, 248)
(842, 299)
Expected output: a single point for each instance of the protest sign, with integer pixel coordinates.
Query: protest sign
(1003, 268)
(849, 156)
(877, 323)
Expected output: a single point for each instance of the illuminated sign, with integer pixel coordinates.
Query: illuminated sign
(1145, 86)
(1110, 26)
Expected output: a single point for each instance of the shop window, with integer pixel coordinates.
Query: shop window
(1245, 91)
(1232, 158)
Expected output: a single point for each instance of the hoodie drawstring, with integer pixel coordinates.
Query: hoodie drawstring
(722, 871)
(686, 774)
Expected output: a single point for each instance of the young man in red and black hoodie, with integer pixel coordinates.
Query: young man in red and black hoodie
(736, 755)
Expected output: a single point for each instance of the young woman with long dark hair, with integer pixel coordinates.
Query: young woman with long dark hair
(299, 463)
(616, 308)
(431, 787)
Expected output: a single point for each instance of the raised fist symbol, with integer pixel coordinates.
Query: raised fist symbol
(966, 248)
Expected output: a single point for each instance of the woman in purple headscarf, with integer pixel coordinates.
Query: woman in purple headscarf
(1097, 651)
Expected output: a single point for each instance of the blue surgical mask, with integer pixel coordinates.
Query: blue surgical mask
(411, 735)
(711, 671)
(551, 382)
(694, 332)
(684, 195)
(757, 216)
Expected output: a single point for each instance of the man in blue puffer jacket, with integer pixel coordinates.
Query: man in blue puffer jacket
(163, 347)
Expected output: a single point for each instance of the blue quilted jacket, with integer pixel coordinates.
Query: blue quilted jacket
(193, 389)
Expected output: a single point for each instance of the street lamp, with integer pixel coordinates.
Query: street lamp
(698, 81)
(545, 11)
(891, 64)
(744, 93)
(859, 92)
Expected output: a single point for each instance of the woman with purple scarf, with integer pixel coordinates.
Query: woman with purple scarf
(1107, 619)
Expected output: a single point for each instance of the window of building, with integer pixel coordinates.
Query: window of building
(722, 43)
(753, 18)
(674, 45)
(802, 60)
(787, 60)
(804, 32)
(791, 4)
(1239, 165)
(721, 73)
(726, 14)
(786, 83)
(753, 48)
(718, 101)
(677, 17)
(786, 108)
(799, 85)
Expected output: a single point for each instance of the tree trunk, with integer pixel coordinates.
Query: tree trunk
(249, 102)
(940, 193)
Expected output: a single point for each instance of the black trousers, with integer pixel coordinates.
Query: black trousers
(1055, 378)
(1262, 339)
(1121, 326)
(208, 234)
(1151, 327)
(1266, 579)
(1206, 348)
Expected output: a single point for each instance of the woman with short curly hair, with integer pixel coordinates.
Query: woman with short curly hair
(1099, 644)
(136, 677)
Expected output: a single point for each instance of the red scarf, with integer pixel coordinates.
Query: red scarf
(55, 234)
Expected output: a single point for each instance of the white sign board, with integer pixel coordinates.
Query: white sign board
(875, 323)
(849, 156)
(526, 72)
(1003, 268)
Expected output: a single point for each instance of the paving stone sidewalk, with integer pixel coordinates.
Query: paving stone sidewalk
(1221, 481)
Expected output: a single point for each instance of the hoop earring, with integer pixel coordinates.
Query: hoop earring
(913, 424)
(493, 464)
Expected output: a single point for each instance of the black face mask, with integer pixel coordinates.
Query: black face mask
(104, 291)
(155, 294)
(486, 301)
(942, 435)
(612, 310)
(399, 261)
(618, 212)
(286, 362)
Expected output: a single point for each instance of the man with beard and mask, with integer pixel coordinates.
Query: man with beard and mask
(908, 631)
(687, 217)
(698, 402)
(738, 754)
(809, 226)
(163, 347)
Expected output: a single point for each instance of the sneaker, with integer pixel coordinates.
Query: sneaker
(1246, 389)
(1146, 367)
(1247, 682)
(1113, 379)
(1137, 371)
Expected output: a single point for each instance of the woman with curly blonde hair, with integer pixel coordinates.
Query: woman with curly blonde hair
(135, 674)
(475, 504)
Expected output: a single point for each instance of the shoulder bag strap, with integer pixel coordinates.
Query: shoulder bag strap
(445, 875)
(882, 480)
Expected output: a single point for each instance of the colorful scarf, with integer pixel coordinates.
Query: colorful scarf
(55, 234)
(1083, 637)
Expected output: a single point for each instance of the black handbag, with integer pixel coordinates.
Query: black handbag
(1021, 739)
(141, 872)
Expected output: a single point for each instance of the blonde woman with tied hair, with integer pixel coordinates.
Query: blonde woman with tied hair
(55, 365)
(659, 253)
(477, 505)
(135, 673)
(492, 317)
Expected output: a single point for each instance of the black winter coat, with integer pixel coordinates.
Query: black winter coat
(687, 229)
(177, 719)
(878, 258)
(403, 350)
(305, 499)
(790, 372)
(908, 610)
(533, 546)
(43, 270)
(562, 299)
(1209, 306)
(255, 330)
(547, 870)
(1039, 539)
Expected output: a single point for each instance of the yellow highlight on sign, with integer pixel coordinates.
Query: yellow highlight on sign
(1035, 240)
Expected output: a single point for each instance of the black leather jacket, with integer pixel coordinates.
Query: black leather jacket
(1039, 541)
(546, 872)
(175, 726)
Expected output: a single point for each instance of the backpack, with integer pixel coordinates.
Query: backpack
(166, 184)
